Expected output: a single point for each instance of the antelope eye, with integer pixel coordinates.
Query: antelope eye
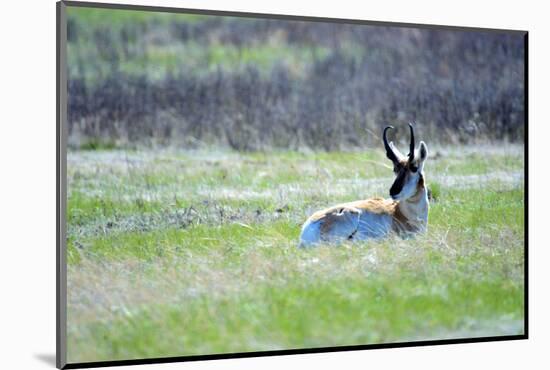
(413, 168)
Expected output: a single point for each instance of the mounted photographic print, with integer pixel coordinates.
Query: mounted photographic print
(234, 184)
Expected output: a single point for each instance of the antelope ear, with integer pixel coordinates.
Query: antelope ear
(423, 150)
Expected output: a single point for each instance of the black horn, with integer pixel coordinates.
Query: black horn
(389, 151)
(411, 149)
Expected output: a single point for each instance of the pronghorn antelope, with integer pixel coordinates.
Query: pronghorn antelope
(405, 213)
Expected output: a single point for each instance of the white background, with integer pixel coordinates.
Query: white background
(27, 182)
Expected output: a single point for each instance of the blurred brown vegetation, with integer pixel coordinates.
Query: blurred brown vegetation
(253, 84)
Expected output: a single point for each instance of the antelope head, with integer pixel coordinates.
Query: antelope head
(409, 170)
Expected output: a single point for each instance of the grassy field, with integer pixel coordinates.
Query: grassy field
(177, 253)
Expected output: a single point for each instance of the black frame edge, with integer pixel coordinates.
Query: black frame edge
(526, 186)
(58, 363)
(228, 13)
(222, 356)
(61, 186)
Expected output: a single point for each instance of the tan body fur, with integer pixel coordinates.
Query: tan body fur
(403, 213)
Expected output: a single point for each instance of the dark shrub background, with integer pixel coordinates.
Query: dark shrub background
(141, 78)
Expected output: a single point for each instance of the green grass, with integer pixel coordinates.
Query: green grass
(117, 17)
(366, 311)
(177, 253)
(132, 45)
